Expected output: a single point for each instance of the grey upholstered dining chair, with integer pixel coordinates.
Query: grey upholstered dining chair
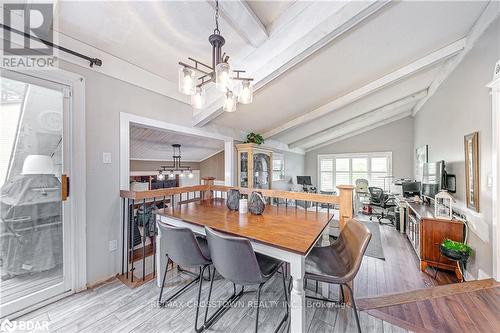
(339, 262)
(235, 260)
(187, 250)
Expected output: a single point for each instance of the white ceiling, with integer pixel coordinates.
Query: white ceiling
(305, 55)
(156, 144)
(269, 11)
(393, 38)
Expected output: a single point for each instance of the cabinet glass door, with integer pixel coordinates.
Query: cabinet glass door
(243, 181)
(261, 167)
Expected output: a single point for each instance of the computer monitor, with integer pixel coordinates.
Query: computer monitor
(411, 188)
(304, 180)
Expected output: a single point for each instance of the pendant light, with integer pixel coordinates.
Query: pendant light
(198, 98)
(187, 81)
(230, 102)
(192, 77)
(246, 92)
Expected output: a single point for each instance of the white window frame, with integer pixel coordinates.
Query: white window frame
(278, 156)
(386, 154)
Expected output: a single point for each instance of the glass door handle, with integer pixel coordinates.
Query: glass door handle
(64, 187)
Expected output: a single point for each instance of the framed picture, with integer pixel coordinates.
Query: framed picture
(422, 156)
(471, 145)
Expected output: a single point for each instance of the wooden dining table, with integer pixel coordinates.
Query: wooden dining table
(281, 232)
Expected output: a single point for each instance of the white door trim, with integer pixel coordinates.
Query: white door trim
(495, 113)
(77, 171)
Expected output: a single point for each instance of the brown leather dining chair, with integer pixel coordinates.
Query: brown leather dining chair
(339, 262)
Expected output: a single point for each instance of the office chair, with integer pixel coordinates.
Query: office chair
(382, 200)
(360, 191)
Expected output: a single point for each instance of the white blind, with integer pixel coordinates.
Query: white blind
(345, 169)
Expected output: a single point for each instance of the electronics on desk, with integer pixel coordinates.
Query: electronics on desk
(411, 189)
(435, 178)
(306, 183)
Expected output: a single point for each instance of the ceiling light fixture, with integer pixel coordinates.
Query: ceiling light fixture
(176, 168)
(193, 78)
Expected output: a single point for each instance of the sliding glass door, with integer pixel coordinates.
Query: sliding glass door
(34, 212)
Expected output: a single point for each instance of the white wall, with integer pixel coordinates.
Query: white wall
(105, 98)
(396, 137)
(460, 106)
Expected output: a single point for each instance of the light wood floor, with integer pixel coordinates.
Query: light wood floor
(114, 307)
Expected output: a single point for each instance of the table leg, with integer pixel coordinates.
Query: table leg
(297, 296)
(161, 258)
(325, 241)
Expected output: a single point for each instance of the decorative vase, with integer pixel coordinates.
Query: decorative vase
(256, 204)
(233, 199)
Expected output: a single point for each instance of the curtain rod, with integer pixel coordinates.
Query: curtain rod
(93, 61)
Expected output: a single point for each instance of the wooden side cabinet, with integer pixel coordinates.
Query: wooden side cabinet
(432, 234)
(255, 165)
(426, 233)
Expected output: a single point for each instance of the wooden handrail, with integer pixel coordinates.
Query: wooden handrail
(162, 192)
(300, 196)
(343, 199)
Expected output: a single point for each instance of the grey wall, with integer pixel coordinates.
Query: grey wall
(396, 137)
(139, 165)
(105, 98)
(213, 166)
(462, 105)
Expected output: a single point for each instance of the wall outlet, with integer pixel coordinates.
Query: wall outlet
(113, 245)
(106, 158)
(489, 181)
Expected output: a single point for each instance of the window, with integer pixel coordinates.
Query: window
(342, 169)
(278, 166)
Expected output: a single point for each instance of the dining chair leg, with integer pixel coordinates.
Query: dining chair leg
(196, 328)
(163, 281)
(258, 307)
(226, 305)
(351, 292)
(209, 294)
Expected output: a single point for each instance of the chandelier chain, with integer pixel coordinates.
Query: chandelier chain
(216, 30)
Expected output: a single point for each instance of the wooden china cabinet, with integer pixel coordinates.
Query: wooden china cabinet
(255, 165)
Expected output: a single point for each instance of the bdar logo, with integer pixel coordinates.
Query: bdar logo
(7, 326)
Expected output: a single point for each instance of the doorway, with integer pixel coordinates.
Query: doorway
(36, 219)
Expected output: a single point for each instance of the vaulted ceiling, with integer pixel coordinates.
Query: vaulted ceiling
(323, 70)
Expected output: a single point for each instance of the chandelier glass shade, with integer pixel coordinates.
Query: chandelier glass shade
(193, 77)
(198, 98)
(187, 81)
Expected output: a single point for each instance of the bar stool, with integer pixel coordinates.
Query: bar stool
(184, 248)
(339, 262)
(235, 260)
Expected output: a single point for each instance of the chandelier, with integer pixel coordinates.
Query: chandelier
(176, 168)
(193, 78)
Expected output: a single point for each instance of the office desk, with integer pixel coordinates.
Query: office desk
(283, 233)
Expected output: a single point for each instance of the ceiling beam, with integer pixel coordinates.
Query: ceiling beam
(362, 130)
(403, 72)
(242, 19)
(316, 25)
(345, 117)
(490, 13)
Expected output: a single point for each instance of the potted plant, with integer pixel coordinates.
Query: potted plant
(255, 138)
(455, 250)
